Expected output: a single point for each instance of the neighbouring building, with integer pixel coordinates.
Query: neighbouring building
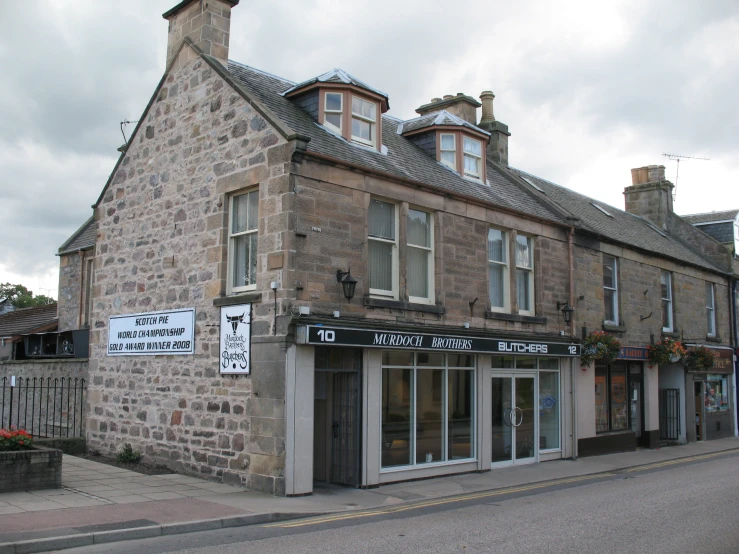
(289, 285)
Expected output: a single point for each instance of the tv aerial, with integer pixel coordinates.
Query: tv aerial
(677, 158)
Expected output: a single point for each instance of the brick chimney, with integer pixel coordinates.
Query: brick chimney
(460, 105)
(497, 149)
(650, 195)
(206, 22)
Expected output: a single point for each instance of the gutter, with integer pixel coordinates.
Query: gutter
(573, 388)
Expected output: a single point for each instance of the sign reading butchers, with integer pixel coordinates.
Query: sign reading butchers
(169, 332)
(388, 339)
(235, 339)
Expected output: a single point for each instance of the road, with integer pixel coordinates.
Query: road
(688, 507)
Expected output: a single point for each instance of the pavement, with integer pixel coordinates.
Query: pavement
(99, 503)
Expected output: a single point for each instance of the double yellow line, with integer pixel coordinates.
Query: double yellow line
(680, 461)
(436, 502)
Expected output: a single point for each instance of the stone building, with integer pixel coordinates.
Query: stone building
(291, 285)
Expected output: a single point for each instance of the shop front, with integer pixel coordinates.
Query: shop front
(388, 406)
(711, 398)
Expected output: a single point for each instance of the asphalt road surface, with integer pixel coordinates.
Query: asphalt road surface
(683, 507)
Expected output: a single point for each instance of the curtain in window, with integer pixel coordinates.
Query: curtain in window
(523, 289)
(380, 265)
(245, 260)
(523, 251)
(382, 219)
(418, 271)
(497, 271)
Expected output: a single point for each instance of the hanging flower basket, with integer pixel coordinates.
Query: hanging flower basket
(666, 351)
(699, 358)
(599, 345)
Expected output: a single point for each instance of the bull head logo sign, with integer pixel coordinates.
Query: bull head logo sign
(234, 320)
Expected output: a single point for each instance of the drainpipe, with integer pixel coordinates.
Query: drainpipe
(571, 256)
(733, 339)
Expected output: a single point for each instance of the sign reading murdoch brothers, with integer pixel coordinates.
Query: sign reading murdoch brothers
(235, 339)
(388, 339)
(168, 332)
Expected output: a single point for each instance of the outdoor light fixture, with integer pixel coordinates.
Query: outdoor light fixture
(348, 283)
(566, 310)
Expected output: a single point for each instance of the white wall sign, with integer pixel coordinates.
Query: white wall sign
(236, 339)
(167, 332)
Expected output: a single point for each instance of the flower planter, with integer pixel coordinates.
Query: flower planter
(33, 469)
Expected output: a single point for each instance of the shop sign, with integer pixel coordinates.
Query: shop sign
(319, 334)
(235, 339)
(633, 353)
(152, 333)
(723, 360)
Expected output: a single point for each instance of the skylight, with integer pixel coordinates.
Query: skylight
(597, 207)
(655, 229)
(530, 182)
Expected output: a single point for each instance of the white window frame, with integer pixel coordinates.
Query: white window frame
(614, 289)
(393, 294)
(230, 288)
(326, 122)
(667, 326)
(710, 310)
(530, 271)
(372, 122)
(452, 150)
(466, 154)
(506, 276)
(430, 265)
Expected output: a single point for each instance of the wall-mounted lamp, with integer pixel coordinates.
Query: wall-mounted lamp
(566, 310)
(348, 283)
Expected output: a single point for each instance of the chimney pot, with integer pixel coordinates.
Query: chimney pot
(486, 97)
(448, 96)
(435, 100)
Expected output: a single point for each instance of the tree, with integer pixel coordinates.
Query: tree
(20, 297)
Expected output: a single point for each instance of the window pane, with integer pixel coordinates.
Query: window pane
(240, 212)
(619, 398)
(430, 359)
(471, 165)
(382, 219)
(460, 414)
(461, 360)
(253, 217)
(380, 265)
(363, 108)
(523, 286)
(333, 101)
(244, 260)
(548, 410)
(666, 314)
(450, 159)
(548, 363)
(665, 283)
(524, 362)
(716, 393)
(472, 146)
(497, 285)
(496, 246)
(609, 278)
(502, 362)
(601, 398)
(397, 357)
(419, 228)
(609, 297)
(418, 272)
(334, 119)
(447, 142)
(709, 295)
(523, 251)
(396, 417)
(361, 129)
(429, 415)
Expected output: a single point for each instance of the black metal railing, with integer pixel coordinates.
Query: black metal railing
(44, 407)
(669, 414)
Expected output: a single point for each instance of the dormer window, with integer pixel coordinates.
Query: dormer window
(333, 110)
(448, 150)
(472, 158)
(364, 119)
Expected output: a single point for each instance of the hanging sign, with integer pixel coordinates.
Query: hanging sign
(235, 339)
(152, 333)
(319, 334)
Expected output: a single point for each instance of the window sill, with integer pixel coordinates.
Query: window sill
(399, 305)
(671, 334)
(613, 328)
(516, 317)
(714, 338)
(250, 297)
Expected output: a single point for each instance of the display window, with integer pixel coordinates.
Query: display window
(611, 397)
(716, 395)
(428, 408)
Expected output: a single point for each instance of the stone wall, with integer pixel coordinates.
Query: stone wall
(162, 244)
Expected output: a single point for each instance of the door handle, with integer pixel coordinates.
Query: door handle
(521, 421)
(508, 412)
(335, 428)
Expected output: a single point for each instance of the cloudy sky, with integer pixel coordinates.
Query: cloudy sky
(588, 90)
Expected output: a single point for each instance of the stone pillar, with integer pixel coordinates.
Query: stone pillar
(207, 23)
(497, 149)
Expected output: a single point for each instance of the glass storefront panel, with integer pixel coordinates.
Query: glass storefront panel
(502, 420)
(397, 358)
(525, 363)
(396, 416)
(548, 410)
(619, 398)
(716, 393)
(601, 398)
(460, 414)
(502, 362)
(429, 416)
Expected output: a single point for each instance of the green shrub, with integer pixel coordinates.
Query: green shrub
(127, 455)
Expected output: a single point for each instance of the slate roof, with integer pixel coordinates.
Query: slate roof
(402, 158)
(442, 117)
(695, 219)
(82, 239)
(336, 75)
(25, 320)
(616, 224)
